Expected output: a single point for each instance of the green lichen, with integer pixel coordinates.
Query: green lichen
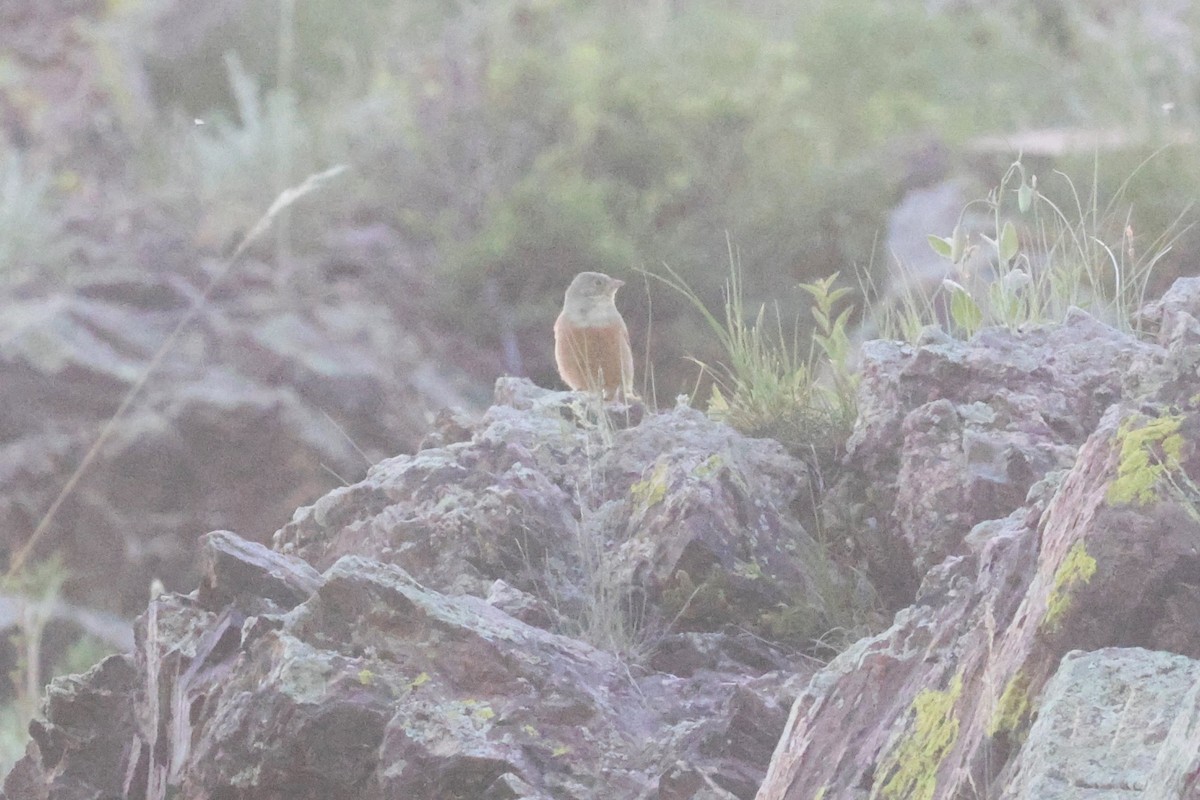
(1075, 570)
(910, 770)
(480, 710)
(468, 714)
(750, 570)
(1151, 451)
(1013, 707)
(651, 491)
(709, 467)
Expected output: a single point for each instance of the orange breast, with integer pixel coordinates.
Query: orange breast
(593, 358)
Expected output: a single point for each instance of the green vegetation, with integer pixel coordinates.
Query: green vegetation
(909, 772)
(30, 232)
(35, 590)
(511, 144)
(772, 385)
(1035, 259)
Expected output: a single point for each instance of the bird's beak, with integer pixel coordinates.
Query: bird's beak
(617, 283)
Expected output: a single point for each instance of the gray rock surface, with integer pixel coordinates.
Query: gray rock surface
(691, 519)
(1106, 719)
(957, 432)
(564, 601)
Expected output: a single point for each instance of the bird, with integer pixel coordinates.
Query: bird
(591, 342)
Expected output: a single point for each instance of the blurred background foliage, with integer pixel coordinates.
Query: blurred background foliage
(510, 144)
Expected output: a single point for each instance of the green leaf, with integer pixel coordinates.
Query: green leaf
(1009, 243)
(716, 401)
(958, 244)
(1024, 197)
(965, 313)
(943, 247)
(839, 293)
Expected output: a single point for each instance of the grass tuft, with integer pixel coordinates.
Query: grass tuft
(1035, 258)
(775, 385)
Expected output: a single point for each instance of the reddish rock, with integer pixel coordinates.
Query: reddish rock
(940, 705)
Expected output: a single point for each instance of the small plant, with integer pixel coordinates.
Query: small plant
(1036, 261)
(803, 394)
(36, 589)
(771, 384)
(614, 616)
(35, 595)
(251, 155)
(223, 168)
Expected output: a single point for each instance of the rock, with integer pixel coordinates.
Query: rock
(375, 687)
(1106, 720)
(964, 666)
(938, 705)
(83, 739)
(239, 573)
(520, 605)
(1179, 307)
(388, 674)
(241, 421)
(1041, 483)
(954, 433)
(691, 522)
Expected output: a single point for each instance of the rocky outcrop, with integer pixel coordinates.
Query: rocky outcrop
(568, 600)
(1101, 554)
(952, 433)
(692, 520)
(560, 600)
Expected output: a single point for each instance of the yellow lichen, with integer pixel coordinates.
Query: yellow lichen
(652, 490)
(1076, 569)
(1013, 707)
(709, 467)
(1150, 452)
(910, 770)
